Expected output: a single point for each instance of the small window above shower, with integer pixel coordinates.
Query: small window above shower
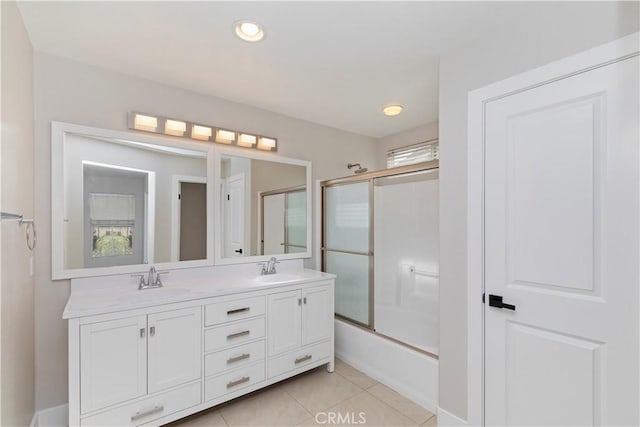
(416, 153)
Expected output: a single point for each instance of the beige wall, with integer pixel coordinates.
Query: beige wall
(17, 299)
(68, 91)
(412, 136)
(574, 28)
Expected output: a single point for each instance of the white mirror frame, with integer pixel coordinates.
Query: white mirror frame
(59, 132)
(217, 156)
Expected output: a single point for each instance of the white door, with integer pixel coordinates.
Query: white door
(316, 315)
(113, 362)
(561, 235)
(234, 223)
(283, 322)
(175, 349)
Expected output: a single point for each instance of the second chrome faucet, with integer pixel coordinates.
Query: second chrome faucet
(269, 267)
(153, 279)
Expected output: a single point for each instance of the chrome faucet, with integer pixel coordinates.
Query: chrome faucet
(153, 279)
(269, 267)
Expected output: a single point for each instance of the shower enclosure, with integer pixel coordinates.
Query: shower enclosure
(380, 237)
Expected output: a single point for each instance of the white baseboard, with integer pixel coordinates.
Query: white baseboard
(58, 416)
(447, 419)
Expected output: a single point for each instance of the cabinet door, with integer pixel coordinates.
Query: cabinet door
(283, 322)
(113, 362)
(175, 347)
(316, 315)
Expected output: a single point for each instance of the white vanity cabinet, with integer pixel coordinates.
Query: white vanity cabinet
(127, 358)
(150, 364)
(300, 325)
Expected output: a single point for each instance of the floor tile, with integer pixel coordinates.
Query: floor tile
(400, 403)
(320, 390)
(352, 374)
(272, 407)
(431, 422)
(366, 410)
(210, 418)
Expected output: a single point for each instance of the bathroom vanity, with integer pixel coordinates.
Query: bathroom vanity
(153, 356)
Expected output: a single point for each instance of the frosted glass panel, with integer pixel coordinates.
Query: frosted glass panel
(352, 284)
(296, 221)
(347, 217)
(406, 265)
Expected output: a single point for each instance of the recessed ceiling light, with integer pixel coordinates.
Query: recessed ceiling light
(392, 110)
(249, 31)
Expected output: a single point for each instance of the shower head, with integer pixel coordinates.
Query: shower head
(359, 170)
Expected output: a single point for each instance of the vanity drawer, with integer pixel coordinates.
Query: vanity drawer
(236, 357)
(296, 359)
(149, 409)
(233, 334)
(229, 311)
(233, 380)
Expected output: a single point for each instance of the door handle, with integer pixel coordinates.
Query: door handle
(496, 301)
(238, 251)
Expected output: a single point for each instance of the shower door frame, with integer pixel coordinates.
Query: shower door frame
(285, 191)
(370, 177)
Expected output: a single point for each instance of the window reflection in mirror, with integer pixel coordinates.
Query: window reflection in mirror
(263, 207)
(129, 203)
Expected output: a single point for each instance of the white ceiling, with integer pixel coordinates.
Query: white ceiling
(333, 63)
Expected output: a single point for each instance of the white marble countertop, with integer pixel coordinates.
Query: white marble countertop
(112, 294)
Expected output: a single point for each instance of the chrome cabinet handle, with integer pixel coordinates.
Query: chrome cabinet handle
(142, 332)
(238, 358)
(304, 300)
(152, 331)
(154, 410)
(238, 334)
(238, 382)
(238, 310)
(303, 359)
(299, 301)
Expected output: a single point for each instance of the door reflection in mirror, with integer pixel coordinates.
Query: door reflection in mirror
(263, 207)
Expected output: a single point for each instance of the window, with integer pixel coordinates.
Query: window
(417, 153)
(112, 219)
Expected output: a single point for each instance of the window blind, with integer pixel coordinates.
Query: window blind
(416, 153)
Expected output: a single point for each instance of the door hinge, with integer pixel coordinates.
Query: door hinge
(179, 197)
(483, 297)
(228, 197)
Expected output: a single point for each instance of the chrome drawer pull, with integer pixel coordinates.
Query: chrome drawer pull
(238, 310)
(303, 359)
(238, 334)
(238, 382)
(238, 358)
(154, 410)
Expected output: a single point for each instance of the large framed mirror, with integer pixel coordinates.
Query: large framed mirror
(122, 202)
(264, 207)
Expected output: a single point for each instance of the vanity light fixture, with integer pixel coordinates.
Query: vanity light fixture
(249, 31)
(175, 127)
(225, 136)
(146, 123)
(392, 110)
(247, 140)
(200, 132)
(267, 144)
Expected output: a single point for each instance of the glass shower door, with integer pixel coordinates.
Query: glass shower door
(347, 248)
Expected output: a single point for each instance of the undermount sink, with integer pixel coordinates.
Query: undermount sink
(152, 294)
(277, 278)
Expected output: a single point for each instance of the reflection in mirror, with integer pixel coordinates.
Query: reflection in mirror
(263, 209)
(130, 203)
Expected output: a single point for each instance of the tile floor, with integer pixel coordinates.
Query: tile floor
(295, 402)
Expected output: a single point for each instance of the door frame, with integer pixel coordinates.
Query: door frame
(176, 187)
(597, 57)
